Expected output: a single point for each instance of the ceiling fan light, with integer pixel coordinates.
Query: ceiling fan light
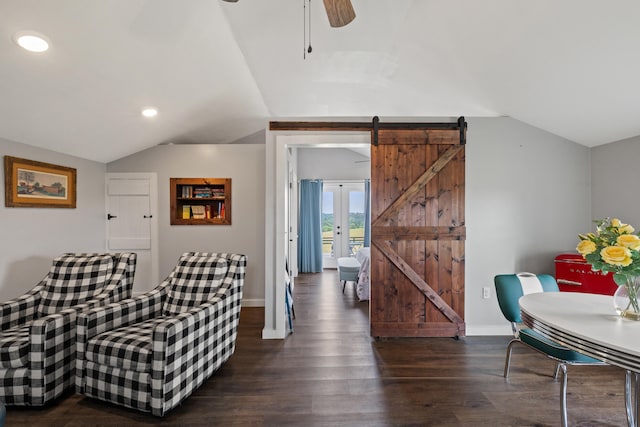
(31, 41)
(150, 112)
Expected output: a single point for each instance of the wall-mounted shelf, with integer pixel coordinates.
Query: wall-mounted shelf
(200, 201)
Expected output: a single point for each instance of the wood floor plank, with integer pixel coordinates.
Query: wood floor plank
(330, 372)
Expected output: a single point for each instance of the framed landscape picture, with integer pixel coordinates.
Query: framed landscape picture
(32, 184)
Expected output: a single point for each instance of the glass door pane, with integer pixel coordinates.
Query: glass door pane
(342, 221)
(356, 220)
(328, 221)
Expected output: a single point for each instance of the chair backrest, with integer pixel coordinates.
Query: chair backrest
(195, 279)
(77, 278)
(510, 287)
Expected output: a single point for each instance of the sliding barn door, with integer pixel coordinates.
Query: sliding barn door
(418, 233)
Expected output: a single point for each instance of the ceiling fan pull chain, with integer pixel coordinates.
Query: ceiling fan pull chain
(309, 48)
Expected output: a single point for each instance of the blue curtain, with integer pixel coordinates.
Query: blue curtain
(367, 213)
(310, 240)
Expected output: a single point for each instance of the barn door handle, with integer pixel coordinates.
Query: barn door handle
(109, 216)
(148, 216)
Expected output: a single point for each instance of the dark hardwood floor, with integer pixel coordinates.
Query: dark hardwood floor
(329, 372)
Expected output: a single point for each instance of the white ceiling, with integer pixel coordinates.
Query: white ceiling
(219, 71)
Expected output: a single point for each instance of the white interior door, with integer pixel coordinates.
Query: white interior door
(131, 223)
(292, 215)
(342, 220)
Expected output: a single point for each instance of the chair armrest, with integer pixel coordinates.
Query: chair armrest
(115, 315)
(21, 309)
(193, 344)
(52, 342)
(100, 319)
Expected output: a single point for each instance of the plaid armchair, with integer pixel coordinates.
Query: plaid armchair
(152, 351)
(37, 329)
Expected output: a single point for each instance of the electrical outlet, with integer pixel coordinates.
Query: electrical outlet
(486, 292)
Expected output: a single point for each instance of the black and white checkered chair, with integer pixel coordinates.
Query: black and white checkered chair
(37, 329)
(152, 351)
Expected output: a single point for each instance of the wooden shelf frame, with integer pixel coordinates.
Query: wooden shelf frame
(178, 202)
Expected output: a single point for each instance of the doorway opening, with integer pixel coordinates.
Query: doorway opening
(343, 220)
(282, 180)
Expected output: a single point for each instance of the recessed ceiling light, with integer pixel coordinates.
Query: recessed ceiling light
(150, 112)
(31, 41)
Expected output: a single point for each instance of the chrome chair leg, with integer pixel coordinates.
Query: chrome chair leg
(631, 397)
(563, 395)
(555, 374)
(507, 362)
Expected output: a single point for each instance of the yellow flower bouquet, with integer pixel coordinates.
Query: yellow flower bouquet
(615, 248)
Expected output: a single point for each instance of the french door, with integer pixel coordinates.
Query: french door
(342, 220)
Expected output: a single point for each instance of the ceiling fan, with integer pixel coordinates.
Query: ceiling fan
(339, 12)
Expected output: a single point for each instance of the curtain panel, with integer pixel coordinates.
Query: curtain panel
(310, 232)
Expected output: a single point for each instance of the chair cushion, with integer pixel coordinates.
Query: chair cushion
(348, 264)
(552, 348)
(349, 268)
(74, 279)
(128, 348)
(196, 279)
(14, 347)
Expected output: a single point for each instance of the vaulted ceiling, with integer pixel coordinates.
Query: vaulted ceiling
(218, 71)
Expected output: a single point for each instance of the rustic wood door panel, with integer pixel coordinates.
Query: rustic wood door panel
(418, 232)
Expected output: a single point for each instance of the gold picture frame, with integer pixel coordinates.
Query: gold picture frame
(32, 184)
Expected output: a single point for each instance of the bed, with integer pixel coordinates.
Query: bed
(362, 287)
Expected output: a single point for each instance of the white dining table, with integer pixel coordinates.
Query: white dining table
(589, 324)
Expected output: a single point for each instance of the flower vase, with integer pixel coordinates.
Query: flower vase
(625, 299)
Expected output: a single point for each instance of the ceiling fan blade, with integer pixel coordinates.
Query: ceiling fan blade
(340, 12)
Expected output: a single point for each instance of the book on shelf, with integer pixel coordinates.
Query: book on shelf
(186, 212)
(187, 191)
(202, 192)
(198, 212)
(217, 210)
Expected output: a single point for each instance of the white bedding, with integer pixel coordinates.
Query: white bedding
(362, 287)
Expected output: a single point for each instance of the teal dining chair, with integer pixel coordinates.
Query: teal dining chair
(509, 289)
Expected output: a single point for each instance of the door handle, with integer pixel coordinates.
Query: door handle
(109, 216)
(148, 216)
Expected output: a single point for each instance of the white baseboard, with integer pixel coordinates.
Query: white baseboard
(481, 330)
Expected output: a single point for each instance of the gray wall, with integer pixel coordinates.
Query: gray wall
(31, 237)
(527, 199)
(615, 177)
(245, 165)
